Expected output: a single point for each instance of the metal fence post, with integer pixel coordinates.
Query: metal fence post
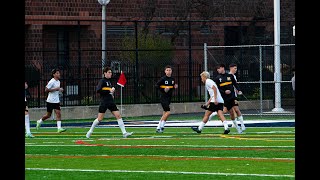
(260, 62)
(136, 78)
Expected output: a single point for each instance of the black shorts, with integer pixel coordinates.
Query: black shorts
(165, 103)
(214, 108)
(230, 103)
(52, 106)
(104, 106)
(26, 106)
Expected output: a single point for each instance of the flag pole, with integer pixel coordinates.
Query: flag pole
(121, 100)
(121, 96)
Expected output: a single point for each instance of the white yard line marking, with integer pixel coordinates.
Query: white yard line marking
(160, 172)
(175, 145)
(166, 156)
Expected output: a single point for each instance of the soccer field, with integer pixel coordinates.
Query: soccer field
(178, 153)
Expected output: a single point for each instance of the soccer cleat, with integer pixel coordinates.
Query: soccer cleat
(88, 134)
(226, 131)
(159, 131)
(60, 130)
(239, 130)
(29, 135)
(125, 135)
(204, 107)
(38, 125)
(196, 129)
(243, 128)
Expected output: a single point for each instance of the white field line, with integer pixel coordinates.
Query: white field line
(173, 145)
(142, 138)
(138, 133)
(166, 156)
(159, 172)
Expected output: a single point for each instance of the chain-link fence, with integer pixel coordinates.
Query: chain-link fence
(141, 49)
(257, 70)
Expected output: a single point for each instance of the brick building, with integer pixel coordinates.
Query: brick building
(68, 33)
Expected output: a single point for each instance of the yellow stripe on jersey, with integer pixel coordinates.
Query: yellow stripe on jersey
(106, 88)
(226, 83)
(163, 86)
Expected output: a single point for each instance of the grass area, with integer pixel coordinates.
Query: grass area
(178, 153)
(193, 116)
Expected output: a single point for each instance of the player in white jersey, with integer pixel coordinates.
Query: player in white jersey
(26, 114)
(53, 100)
(214, 104)
(233, 70)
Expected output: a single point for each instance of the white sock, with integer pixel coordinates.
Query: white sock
(159, 124)
(240, 118)
(27, 123)
(162, 124)
(211, 115)
(225, 124)
(94, 124)
(40, 121)
(58, 124)
(235, 123)
(202, 124)
(121, 125)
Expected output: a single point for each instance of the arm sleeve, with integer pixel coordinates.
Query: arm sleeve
(99, 86)
(216, 80)
(235, 83)
(49, 85)
(159, 83)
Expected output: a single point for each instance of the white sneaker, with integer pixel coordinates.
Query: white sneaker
(88, 134)
(125, 135)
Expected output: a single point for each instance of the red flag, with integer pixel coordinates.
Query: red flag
(122, 80)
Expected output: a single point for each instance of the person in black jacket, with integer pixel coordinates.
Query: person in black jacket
(106, 90)
(226, 84)
(165, 85)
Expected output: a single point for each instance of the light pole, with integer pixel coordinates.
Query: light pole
(103, 47)
(277, 63)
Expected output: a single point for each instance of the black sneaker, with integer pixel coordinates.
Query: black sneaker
(195, 129)
(159, 131)
(226, 131)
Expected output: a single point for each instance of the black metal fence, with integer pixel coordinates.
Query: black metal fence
(141, 49)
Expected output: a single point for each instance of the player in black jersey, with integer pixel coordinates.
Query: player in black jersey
(106, 90)
(166, 85)
(226, 84)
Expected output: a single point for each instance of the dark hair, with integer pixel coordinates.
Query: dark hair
(221, 65)
(293, 69)
(167, 66)
(106, 69)
(53, 71)
(232, 65)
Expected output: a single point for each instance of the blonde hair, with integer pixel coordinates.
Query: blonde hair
(205, 74)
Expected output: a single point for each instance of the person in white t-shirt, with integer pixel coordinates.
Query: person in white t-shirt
(214, 104)
(26, 114)
(233, 70)
(53, 100)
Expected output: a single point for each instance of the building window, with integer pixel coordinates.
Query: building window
(63, 48)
